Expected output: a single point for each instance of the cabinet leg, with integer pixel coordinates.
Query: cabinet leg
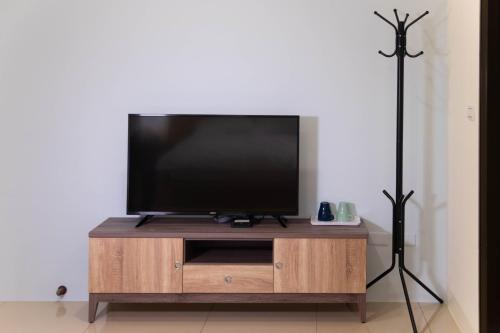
(362, 307)
(93, 304)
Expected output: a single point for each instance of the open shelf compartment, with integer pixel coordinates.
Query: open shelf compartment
(228, 251)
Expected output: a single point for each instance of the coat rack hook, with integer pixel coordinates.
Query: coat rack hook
(408, 196)
(396, 14)
(390, 198)
(387, 55)
(406, 18)
(416, 20)
(386, 20)
(414, 55)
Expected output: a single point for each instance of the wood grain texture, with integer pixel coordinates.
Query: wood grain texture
(135, 265)
(320, 265)
(228, 279)
(205, 228)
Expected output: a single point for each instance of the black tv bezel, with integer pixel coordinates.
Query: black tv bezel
(214, 212)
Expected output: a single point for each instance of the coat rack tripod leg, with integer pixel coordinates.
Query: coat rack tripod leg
(383, 274)
(422, 285)
(399, 201)
(407, 298)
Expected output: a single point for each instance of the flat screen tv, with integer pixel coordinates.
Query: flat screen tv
(213, 164)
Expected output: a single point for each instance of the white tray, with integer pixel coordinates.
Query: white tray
(355, 222)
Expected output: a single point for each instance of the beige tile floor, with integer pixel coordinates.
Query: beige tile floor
(70, 317)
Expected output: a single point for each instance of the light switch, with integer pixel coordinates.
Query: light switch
(471, 113)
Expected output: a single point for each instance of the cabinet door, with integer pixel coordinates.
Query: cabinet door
(135, 265)
(320, 265)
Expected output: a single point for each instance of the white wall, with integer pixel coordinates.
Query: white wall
(70, 72)
(463, 159)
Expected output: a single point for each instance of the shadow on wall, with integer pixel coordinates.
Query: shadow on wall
(308, 166)
(429, 209)
(378, 261)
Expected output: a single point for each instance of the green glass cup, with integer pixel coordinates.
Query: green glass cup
(345, 212)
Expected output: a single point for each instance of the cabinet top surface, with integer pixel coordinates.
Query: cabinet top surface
(205, 228)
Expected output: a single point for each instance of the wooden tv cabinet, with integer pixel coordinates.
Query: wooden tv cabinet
(186, 260)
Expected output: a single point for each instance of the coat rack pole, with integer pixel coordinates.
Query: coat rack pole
(399, 202)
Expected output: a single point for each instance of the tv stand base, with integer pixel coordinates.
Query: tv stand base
(144, 220)
(282, 220)
(95, 298)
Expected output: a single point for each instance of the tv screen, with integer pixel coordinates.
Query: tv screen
(213, 164)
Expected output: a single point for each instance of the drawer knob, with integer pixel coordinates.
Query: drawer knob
(178, 265)
(279, 265)
(228, 279)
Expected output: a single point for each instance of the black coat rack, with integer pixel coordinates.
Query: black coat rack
(399, 203)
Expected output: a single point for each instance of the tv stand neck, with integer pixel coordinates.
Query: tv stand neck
(282, 220)
(145, 219)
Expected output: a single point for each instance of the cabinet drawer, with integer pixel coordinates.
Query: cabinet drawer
(228, 279)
